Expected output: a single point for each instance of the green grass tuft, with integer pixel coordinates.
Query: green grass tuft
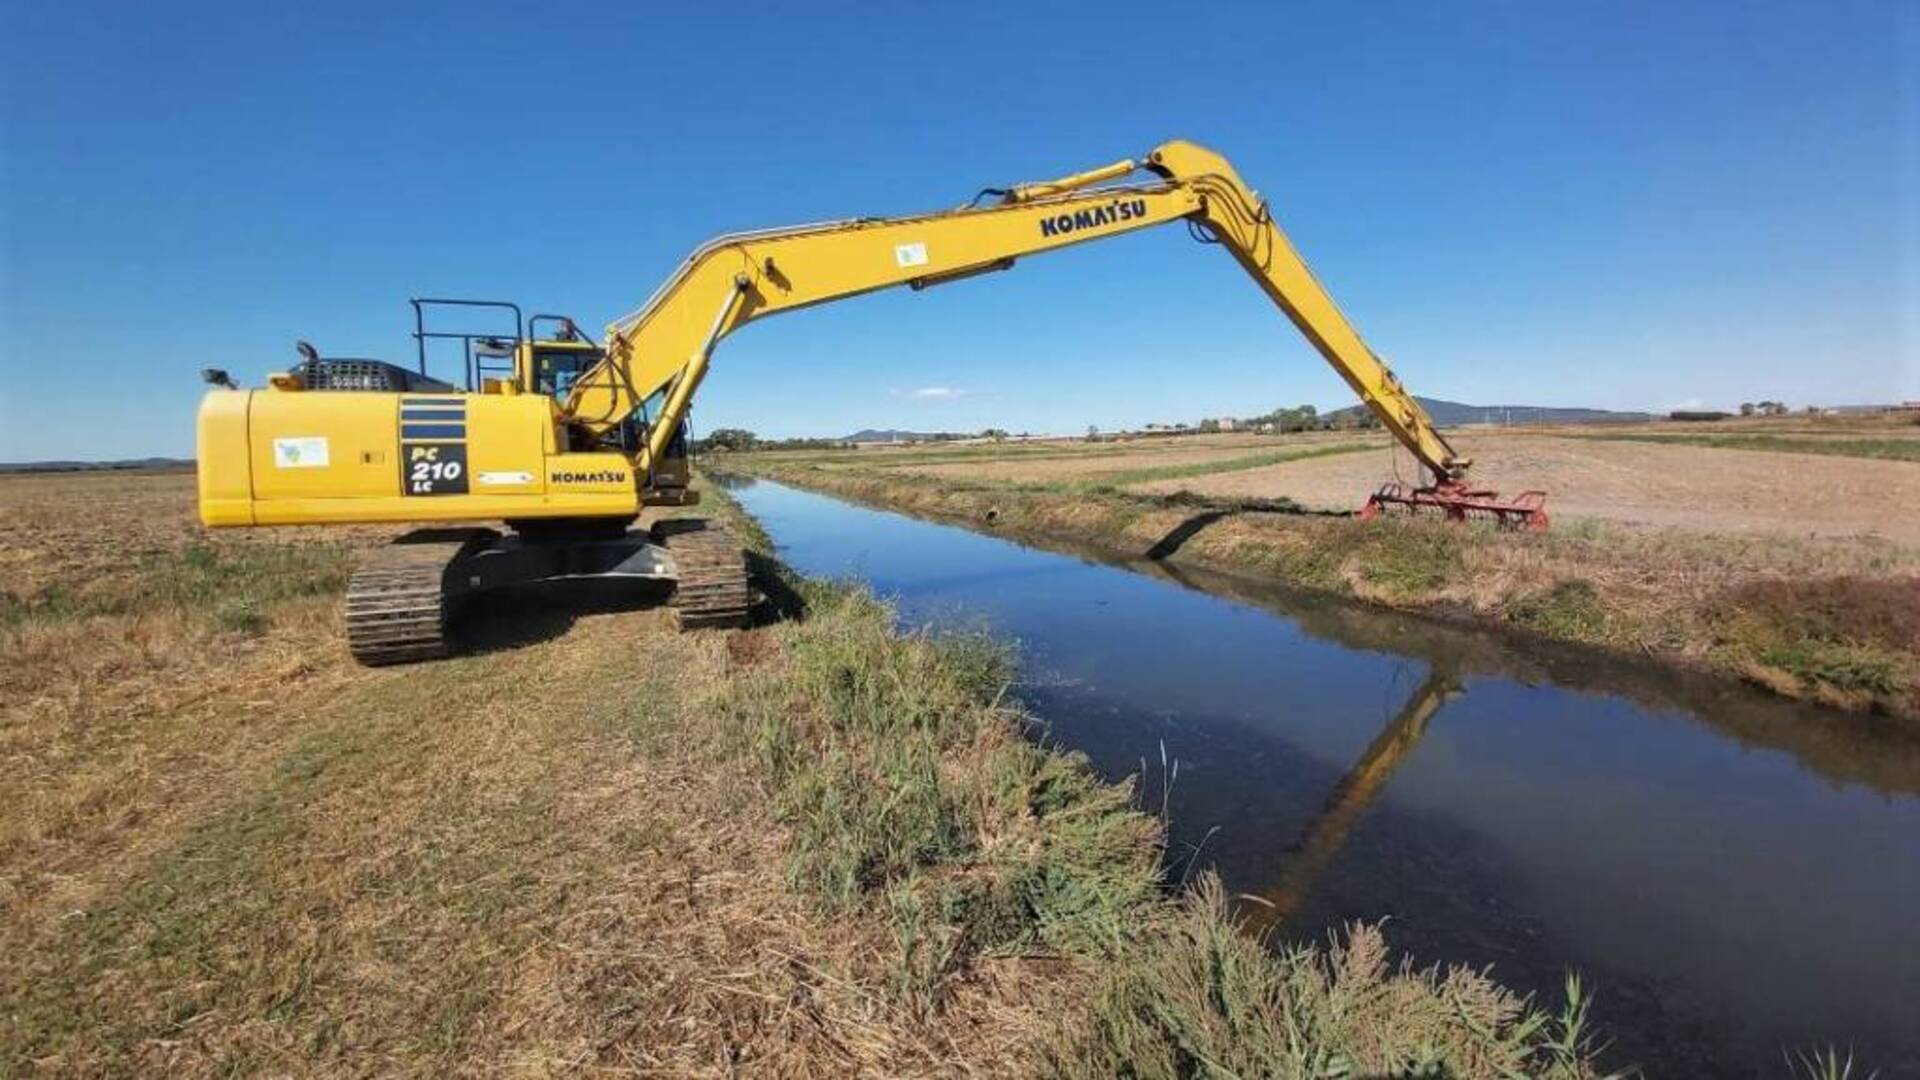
(1203, 999)
(1407, 563)
(1855, 634)
(1569, 608)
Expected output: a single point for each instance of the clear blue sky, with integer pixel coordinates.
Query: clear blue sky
(1629, 205)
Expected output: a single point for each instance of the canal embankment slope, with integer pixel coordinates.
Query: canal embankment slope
(1834, 620)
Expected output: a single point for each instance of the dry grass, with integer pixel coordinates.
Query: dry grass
(137, 656)
(808, 849)
(229, 850)
(434, 876)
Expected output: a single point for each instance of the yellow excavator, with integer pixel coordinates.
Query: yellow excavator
(565, 440)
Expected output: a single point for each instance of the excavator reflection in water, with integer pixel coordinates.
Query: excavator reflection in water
(1326, 834)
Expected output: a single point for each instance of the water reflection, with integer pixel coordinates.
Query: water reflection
(1878, 752)
(1323, 836)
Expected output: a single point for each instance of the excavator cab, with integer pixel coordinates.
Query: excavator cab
(552, 361)
(541, 355)
(544, 354)
(551, 364)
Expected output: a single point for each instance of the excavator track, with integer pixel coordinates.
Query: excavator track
(711, 588)
(397, 604)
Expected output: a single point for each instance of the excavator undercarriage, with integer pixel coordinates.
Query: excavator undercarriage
(402, 600)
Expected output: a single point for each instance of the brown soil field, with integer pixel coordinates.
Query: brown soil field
(1694, 487)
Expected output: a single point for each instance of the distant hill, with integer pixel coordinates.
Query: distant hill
(1451, 413)
(149, 463)
(872, 435)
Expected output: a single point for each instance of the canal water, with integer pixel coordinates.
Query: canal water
(1737, 876)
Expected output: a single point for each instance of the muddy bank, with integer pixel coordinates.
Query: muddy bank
(1833, 622)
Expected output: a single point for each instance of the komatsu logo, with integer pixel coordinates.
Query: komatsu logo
(603, 476)
(1093, 217)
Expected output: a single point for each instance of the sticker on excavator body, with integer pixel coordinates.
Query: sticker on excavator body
(910, 254)
(433, 468)
(302, 453)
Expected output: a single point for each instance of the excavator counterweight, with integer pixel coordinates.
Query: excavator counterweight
(567, 440)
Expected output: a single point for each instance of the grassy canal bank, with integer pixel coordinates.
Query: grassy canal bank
(591, 842)
(911, 791)
(1831, 620)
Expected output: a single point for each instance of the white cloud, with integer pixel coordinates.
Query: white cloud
(938, 393)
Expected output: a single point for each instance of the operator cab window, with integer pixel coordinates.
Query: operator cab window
(554, 371)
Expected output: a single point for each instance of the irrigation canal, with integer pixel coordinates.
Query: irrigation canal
(1736, 875)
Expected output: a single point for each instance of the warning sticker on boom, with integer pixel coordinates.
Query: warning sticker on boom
(433, 468)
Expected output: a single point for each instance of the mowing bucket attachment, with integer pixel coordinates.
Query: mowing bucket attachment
(1457, 502)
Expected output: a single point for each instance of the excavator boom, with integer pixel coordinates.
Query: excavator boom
(664, 347)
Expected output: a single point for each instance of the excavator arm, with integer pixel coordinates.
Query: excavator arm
(664, 348)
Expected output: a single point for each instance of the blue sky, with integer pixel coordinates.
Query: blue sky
(1628, 205)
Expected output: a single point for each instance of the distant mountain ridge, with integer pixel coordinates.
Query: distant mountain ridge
(1452, 413)
(150, 463)
(870, 435)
